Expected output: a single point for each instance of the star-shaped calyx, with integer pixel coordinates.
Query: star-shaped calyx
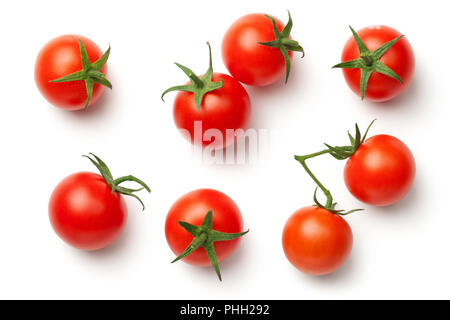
(284, 43)
(369, 62)
(199, 85)
(90, 74)
(205, 236)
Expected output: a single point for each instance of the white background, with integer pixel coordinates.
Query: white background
(399, 252)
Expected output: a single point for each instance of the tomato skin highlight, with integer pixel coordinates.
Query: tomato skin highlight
(381, 172)
(226, 108)
(85, 213)
(247, 60)
(399, 58)
(316, 241)
(61, 57)
(192, 208)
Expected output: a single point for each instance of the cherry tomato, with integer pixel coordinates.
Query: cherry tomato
(59, 58)
(381, 172)
(192, 208)
(208, 107)
(250, 61)
(316, 241)
(222, 109)
(85, 212)
(399, 58)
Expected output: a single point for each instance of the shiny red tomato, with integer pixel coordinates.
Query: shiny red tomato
(61, 57)
(248, 59)
(316, 241)
(192, 208)
(399, 58)
(211, 110)
(381, 172)
(222, 109)
(85, 212)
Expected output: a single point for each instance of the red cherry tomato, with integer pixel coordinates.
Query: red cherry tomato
(247, 59)
(316, 241)
(399, 58)
(211, 110)
(85, 213)
(221, 109)
(381, 172)
(192, 208)
(59, 58)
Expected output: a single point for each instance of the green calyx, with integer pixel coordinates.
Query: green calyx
(369, 62)
(114, 184)
(90, 74)
(205, 236)
(339, 153)
(283, 42)
(199, 85)
(344, 152)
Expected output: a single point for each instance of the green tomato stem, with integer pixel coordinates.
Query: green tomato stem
(198, 83)
(367, 60)
(302, 160)
(114, 184)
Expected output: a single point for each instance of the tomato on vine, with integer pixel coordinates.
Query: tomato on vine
(87, 210)
(379, 171)
(257, 49)
(317, 241)
(378, 63)
(70, 72)
(215, 104)
(204, 227)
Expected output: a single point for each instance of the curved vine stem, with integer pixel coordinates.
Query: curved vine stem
(339, 153)
(302, 160)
